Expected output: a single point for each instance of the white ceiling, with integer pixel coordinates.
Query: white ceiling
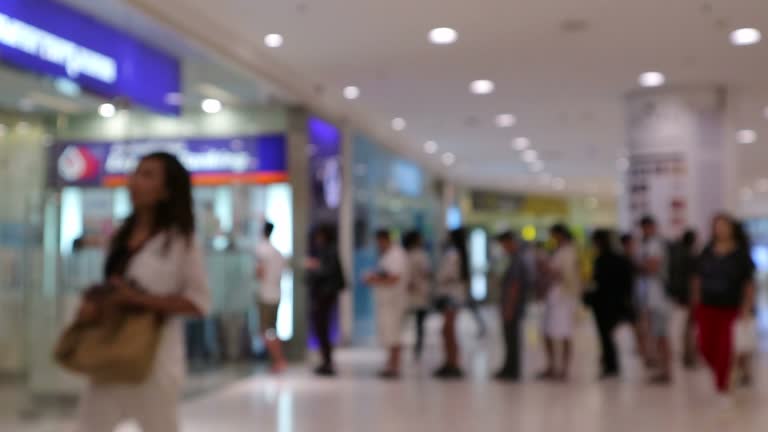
(562, 68)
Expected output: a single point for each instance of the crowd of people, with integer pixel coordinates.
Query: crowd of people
(155, 266)
(639, 280)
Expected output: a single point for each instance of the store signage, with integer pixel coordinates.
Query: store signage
(259, 159)
(55, 40)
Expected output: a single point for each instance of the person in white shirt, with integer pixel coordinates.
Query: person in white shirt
(390, 284)
(561, 304)
(652, 259)
(270, 265)
(153, 263)
(420, 285)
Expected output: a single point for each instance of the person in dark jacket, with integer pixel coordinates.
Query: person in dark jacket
(682, 269)
(325, 278)
(612, 280)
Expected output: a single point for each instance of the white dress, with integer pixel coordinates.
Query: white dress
(563, 295)
(391, 300)
(161, 268)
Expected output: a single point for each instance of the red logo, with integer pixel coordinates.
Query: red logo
(77, 164)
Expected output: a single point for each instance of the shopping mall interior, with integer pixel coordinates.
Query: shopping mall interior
(346, 120)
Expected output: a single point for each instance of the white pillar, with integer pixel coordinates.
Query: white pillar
(677, 169)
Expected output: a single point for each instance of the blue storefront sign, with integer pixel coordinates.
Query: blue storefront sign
(211, 161)
(52, 39)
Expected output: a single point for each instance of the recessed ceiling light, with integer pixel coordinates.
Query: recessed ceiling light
(399, 124)
(558, 183)
(746, 136)
(622, 164)
(652, 79)
(448, 159)
(536, 166)
(746, 36)
(482, 87)
(521, 143)
(443, 36)
(211, 106)
(107, 110)
(530, 156)
(351, 92)
(430, 147)
(274, 40)
(506, 120)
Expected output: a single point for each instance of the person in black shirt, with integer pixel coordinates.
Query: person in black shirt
(514, 285)
(325, 278)
(612, 276)
(682, 267)
(722, 291)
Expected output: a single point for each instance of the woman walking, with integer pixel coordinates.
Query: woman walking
(723, 292)
(154, 263)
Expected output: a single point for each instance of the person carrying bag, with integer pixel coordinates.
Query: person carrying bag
(128, 338)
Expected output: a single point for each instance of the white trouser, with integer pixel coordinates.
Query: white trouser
(153, 405)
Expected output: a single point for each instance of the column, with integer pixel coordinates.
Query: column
(676, 152)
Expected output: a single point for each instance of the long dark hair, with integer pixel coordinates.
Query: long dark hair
(175, 213)
(740, 236)
(458, 240)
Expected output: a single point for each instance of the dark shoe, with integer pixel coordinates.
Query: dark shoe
(546, 375)
(505, 375)
(325, 370)
(609, 375)
(449, 372)
(745, 380)
(389, 375)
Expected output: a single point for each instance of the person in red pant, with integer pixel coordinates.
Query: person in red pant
(723, 291)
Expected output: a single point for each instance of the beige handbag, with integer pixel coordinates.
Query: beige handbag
(118, 348)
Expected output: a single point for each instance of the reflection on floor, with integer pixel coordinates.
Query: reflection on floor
(356, 401)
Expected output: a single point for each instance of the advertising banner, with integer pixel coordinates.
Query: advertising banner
(52, 39)
(211, 161)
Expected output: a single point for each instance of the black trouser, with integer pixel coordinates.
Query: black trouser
(322, 318)
(607, 320)
(512, 341)
(421, 317)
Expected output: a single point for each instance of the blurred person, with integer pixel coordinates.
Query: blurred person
(419, 285)
(612, 278)
(541, 271)
(452, 291)
(561, 304)
(682, 267)
(390, 284)
(652, 267)
(514, 287)
(635, 310)
(270, 265)
(723, 293)
(153, 263)
(325, 278)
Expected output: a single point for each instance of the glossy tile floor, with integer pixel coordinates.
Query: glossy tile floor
(298, 402)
